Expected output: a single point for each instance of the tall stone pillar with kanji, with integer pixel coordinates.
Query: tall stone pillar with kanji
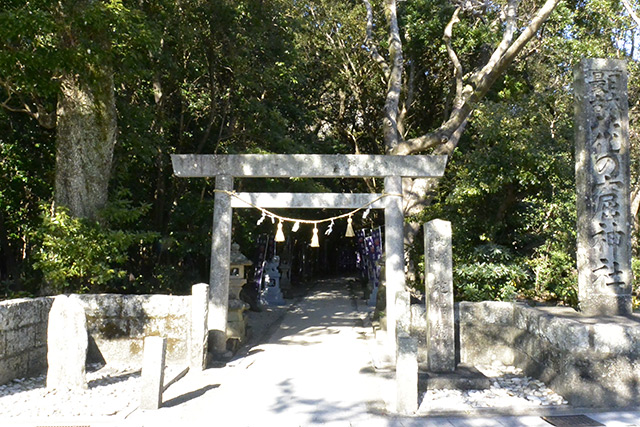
(602, 180)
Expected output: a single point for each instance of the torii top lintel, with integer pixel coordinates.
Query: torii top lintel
(306, 165)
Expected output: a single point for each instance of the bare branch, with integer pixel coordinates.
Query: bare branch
(394, 82)
(631, 12)
(44, 118)
(457, 66)
(507, 39)
(408, 101)
(369, 42)
(472, 93)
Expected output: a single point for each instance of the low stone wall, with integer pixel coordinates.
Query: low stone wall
(591, 361)
(23, 337)
(117, 325)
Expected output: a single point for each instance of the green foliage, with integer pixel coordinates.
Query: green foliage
(77, 255)
(492, 275)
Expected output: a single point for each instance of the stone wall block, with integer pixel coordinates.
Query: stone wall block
(45, 308)
(610, 338)
(132, 305)
(155, 326)
(136, 326)
(102, 305)
(20, 340)
(37, 360)
(12, 367)
(567, 335)
(4, 310)
(3, 343)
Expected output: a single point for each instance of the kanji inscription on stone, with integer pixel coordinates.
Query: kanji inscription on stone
(602, 180)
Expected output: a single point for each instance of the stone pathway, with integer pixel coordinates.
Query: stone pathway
(315, 368)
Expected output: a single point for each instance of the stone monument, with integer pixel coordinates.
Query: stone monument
(67, 343)
(439, 296)
(602, 181)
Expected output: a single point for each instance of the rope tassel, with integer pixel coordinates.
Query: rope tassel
(314, 239)
(280, 233)
(349, 232)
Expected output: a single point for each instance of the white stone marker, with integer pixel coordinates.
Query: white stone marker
(438, 268)
(153, 372)
(67, 342)
(406, 357)
(407, 374)
(199, 329)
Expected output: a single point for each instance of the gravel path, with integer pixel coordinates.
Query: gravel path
(114, 391)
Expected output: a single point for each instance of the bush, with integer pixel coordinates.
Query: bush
(490, 275)
(77, 255)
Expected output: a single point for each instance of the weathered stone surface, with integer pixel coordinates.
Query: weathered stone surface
(407, 374)
(199, 329)
(307, 165)
(308, 200)
(602, 181)
(403, 308)
(153, 372)
(591, 361)
(439, 296)
(118, 324)
(220, 261)
(67, 342)
(394, 254)
(463, 378)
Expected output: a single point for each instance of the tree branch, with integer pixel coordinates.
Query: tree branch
(457, 66)
(394, 82)
(44, 118)
(503, 57)
(631, 12)
(369, 42)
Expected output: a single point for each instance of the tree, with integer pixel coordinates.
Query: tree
(57, 67)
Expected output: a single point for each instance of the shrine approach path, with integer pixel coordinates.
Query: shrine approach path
(315, 369)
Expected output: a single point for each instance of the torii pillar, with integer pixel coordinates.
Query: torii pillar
(226, 167)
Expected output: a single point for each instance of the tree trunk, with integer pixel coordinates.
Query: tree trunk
(86, 137)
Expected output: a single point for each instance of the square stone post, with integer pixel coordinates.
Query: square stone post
(155, 349)
(441, 356)
(220, 261)
(394, 253)
(407, 374)
(602, 181)
(199, 329)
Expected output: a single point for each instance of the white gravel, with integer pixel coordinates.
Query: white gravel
(110, 391)
(509, 389)
(115, 391)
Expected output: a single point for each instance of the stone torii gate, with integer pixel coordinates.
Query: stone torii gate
(225, 167)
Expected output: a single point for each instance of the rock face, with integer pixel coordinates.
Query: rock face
(602, 181)
(67, 342)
